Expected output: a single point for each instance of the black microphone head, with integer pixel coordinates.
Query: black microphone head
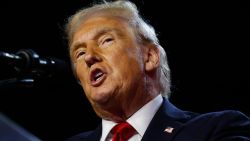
(52, 66)
(29, 59)
(26, 65)
(29, 62)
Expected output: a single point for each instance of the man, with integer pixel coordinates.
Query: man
(123, 70)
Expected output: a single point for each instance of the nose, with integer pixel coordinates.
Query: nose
(91, 57)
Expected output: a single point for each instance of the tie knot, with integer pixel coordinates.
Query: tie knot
(122, 132)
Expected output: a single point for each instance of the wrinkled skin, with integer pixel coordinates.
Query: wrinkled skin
(111, 66)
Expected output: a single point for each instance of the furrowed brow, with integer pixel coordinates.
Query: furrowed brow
(95, 35)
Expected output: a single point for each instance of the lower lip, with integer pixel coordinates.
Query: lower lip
(99, 81)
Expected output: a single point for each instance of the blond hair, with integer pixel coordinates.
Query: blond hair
(128, 11)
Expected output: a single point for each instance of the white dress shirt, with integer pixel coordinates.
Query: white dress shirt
(139, 120)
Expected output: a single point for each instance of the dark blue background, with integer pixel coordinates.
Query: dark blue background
(206, 42)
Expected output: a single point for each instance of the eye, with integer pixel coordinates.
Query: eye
(79, 53)
(107, 41)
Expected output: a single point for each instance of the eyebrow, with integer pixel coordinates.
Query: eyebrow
(97, 33)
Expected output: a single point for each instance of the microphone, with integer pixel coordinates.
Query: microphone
(27, 61)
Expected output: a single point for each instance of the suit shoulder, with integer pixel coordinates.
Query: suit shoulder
(228, 119)
(93, 135)
(222, 125)
(80, 137)
(226, 115)
(221, 116)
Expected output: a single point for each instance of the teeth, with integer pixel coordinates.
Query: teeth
(98, 75)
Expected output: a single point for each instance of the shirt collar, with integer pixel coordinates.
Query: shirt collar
(107, 125)
(139, 120)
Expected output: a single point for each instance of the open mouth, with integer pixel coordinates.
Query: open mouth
(96, 77)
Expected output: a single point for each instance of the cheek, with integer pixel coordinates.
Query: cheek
(128, 68)
(81, 73)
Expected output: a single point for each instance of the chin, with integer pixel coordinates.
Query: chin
(101, 97)
(108, 114)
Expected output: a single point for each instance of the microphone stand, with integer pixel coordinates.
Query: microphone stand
(13, 82)
(24, 69)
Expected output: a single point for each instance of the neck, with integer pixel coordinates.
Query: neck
(134, 103)
(124, 107)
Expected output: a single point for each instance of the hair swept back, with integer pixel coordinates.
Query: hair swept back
(127, 10)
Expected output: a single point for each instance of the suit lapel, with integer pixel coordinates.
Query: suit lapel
(95, 135)
(166, 123)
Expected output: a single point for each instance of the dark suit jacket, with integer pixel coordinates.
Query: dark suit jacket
(187, 126)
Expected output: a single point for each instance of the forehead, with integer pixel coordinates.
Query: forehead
(98, 25)
(95, 24)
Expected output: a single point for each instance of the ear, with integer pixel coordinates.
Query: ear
(151, 57)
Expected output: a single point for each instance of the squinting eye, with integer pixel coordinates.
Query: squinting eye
(79, 54)
(107, 41)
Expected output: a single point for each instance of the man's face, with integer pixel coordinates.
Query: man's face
(108, 61)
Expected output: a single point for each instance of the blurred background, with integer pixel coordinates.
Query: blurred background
(207, 44)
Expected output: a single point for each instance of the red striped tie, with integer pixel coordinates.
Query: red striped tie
(122, 132)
